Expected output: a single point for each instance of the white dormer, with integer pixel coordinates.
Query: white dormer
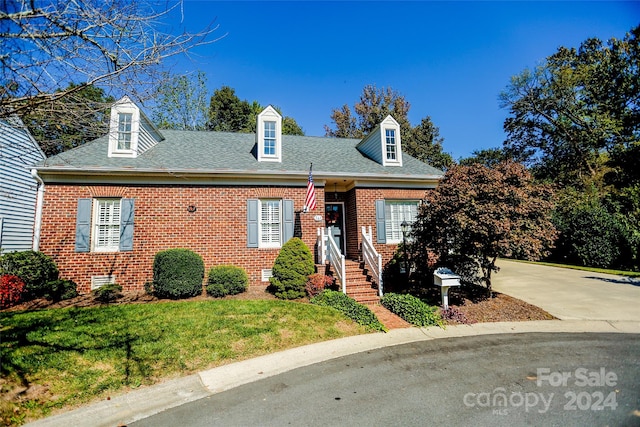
(269, 135)
(383, 144)
(130, 132)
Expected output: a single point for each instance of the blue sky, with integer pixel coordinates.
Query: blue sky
(450, 59)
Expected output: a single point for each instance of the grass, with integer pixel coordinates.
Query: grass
(61, 358)
(579, 267)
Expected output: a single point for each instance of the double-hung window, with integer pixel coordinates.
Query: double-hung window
(124, 131)
(390, 143)
(269, 138)
(104, 225)
(270, 222)
(270, 232)
(390, 214)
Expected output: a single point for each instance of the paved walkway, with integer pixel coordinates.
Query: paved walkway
(570, 294)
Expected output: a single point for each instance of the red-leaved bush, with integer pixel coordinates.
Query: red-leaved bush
(317, 283)
(11, 288)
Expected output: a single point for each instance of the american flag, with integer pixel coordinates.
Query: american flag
(310, 200)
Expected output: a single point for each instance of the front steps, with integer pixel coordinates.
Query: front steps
(359, 285)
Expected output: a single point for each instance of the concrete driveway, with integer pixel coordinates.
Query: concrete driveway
(570, 294)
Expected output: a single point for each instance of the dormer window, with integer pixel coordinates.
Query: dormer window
(124, 131)
(269, 135)
(269, 139)
(390, 138)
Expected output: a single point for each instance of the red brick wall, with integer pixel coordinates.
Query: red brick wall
(217, 230)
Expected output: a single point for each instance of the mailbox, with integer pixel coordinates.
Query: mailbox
(445, 278)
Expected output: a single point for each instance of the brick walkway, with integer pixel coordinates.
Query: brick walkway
(387, 318)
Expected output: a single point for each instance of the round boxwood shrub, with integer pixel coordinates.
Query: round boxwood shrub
(291, 269)
(177, 273)
(58, 290)
(225, 280)
(34, 268)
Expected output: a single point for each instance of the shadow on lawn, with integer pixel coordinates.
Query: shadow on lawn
(33, 342)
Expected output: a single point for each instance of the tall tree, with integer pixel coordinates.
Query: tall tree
(569, 115)
(422, 142)
(181, 103)
(86, 118)
(228, 113)
(117, 45)
(477, 214)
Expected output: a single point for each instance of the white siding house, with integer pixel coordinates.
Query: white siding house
(18, 189)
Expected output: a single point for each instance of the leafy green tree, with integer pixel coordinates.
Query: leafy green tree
(181, 103)
(477, 214)
(577, 114)
(489, 157)
(422, 141)
(83, 116)
(228, 113)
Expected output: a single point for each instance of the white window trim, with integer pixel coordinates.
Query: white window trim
(390, 124)
(388, 221)
(124, 106)
(269, 114)
(261, 243)
(94, 226)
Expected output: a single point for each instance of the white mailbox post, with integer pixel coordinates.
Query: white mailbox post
(445, 278)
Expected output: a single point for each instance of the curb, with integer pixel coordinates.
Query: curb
(145, 402)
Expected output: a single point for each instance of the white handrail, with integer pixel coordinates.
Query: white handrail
(321, 243)
(372, 259)
(337, 261)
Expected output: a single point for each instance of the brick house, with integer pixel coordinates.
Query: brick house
(111, 204)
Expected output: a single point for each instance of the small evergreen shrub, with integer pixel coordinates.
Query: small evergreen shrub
(359, 313)
(411, 309)
(58, 290)
(177, 273)
(316, 283)
(34, 268)
(225, 280)
(291, 269)
(11, 289)
(108, 293)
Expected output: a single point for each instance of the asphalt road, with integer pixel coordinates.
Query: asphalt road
(561, 379)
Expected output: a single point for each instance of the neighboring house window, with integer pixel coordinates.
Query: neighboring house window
(124, 131)
(269, 138)
(389, 216)
(390, 137)
(270, 222)
(104, 225)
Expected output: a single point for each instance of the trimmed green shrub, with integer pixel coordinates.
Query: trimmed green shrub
(34, 268)
(359, 313)
(177, 273)
(411, 309)
(107, 293)
(291, 269)
(58, 290)
(225, 280)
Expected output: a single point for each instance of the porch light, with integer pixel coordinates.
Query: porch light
(404, 226)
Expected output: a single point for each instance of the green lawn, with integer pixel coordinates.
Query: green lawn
(578, 267)
(72, 356)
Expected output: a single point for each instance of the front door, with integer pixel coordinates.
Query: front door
(334, 221)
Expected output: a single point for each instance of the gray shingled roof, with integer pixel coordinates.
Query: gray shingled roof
(225, 152)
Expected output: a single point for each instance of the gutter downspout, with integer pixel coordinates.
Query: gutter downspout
(37, 226)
